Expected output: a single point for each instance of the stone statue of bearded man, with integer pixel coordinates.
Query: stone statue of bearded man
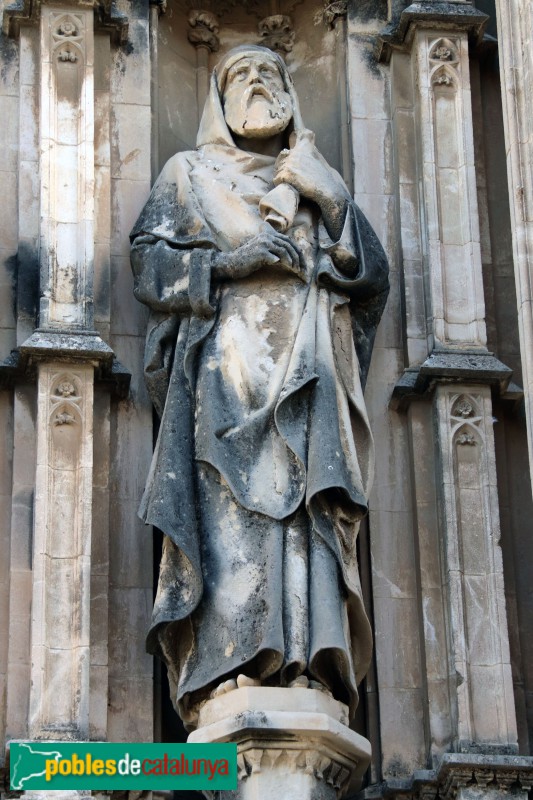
(266, 284)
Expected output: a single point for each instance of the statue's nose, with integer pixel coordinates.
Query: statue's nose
(254, 76)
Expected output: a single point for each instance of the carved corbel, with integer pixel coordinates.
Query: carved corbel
(331, 13)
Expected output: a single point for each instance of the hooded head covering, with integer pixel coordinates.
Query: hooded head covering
(213, 127)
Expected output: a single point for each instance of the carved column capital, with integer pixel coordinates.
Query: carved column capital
(203, 30)
(161, 5)
(277, 32)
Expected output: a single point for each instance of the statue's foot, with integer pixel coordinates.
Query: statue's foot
(301, 682)
(234, 683)
(244, 680)
(224, 687)
(320, 687)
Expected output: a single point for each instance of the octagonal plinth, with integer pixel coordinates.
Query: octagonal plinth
(293, 744)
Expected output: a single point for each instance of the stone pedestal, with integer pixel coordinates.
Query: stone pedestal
(293, 744)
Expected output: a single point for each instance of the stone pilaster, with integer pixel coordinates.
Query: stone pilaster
(435, 173)
(480, 679)
(515, 23)
(67, 167)
(462, 602)
(449, 188)
(57, 666)
(59, 697)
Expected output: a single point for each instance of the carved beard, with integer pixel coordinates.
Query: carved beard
(257, 112)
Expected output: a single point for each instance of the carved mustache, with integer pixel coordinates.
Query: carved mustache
(257, 89)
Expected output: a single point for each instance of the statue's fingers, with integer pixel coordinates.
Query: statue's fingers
(292, 248)
(304, 136)
(288, 257)
(278, 250)
(293, 253)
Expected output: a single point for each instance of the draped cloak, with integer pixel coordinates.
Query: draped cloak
(258, 384)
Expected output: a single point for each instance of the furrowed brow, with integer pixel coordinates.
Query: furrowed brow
(243, 63)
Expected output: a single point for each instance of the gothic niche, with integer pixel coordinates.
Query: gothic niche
(443, 59)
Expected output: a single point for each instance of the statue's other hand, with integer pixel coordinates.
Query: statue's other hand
(266, 250)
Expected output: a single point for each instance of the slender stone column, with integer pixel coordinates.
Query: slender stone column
(157, 7)
(515, 23)
(203, 34)
(334, 15)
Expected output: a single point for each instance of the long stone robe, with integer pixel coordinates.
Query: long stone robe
(264, 457)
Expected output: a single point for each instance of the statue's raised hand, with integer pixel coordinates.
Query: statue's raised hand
(304, 168)
(266, 250)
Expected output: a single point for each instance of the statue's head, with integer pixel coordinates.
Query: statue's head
(255, 101)
(251, 95)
